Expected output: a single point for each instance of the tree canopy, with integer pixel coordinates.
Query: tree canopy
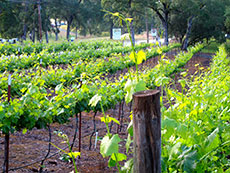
(187, 20)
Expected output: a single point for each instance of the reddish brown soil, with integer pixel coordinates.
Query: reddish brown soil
(31, 147)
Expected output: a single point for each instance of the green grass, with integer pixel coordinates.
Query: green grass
(62, 37)
(211, 48)
(227, 46)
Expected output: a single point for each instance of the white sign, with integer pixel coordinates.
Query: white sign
(154, 32)
(95, 146)
(9, 79)
(72, 39)
(116, 33)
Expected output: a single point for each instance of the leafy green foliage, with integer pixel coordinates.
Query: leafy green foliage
(109, 145)
(140, 57)
(195, 129)
(133, 86)
(37, 108)
(71, 154)
(94, 100)
(108, 119)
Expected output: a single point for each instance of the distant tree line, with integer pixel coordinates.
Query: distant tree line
(188, 21)
(20, 18)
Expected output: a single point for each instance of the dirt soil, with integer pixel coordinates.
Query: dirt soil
(33, 146)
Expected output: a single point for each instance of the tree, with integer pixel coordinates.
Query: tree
(67, 10)
(188, 11)
(209, 23)
(195, 20)
(9, 16)
(227, 19)
(130, 9)
(162, 8)
(46, 25)
(109, 6)
(91, 17)
(55, 14)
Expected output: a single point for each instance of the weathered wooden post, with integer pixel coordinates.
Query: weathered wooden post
(79, 149)
(7, 135)
(147, 132)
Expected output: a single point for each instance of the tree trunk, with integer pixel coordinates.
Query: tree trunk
(166, 41)
(56, 36)
(68, 31)
(56, 30)
(111, 30)
(188, 32)
(33, 35)
(76, 33)
(147, 25)
(25, 26)
(39, 20)
(24, 31)
(164, 21)
(132, 32)
(147, 132)
(47, 37)
(69, 22)
(181, 40)
(37, 34)
(46, 23)
(90, 31)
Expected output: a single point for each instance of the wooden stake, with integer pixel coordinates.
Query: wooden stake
(7, 136)
(6, 161)
(119, 117)
(79, 133)
(147, 132)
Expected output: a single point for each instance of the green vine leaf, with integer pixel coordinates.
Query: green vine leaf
(109, 145)
(130, 89)
(111, 162)
(140, 86)
(133, 86)
(212, 140)
(24, 131)
(128, 142)
(109, 119)
(175, 150)
(74, 154)
(182, 82)
(115, 14)
(94, 100)
(118, 157)
(137, 58)
(129, 19)
(141, 56)
(132, 56)
(162, 80)
(128, 167)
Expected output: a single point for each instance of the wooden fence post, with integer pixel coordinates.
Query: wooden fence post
(147, 132)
